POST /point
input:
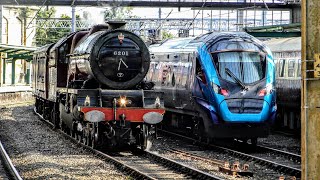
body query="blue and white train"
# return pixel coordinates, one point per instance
(217, 85)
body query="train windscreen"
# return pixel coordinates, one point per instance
(247, 66)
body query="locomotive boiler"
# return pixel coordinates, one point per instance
(90, 84)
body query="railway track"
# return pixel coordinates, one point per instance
(7, 169)
(144, 164)
(223, 166)
(293, 157)
(274, 159)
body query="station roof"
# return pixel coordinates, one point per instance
(284, 44)
(282, 30)
(17, 52)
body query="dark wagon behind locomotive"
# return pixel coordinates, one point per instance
(90, 84)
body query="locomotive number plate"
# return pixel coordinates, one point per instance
(121, 53)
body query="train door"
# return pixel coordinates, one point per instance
(170, 72)
(41, 75)
(34, 72)
(183, 79)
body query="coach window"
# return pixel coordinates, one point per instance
(291, 68)
(277, 62)
(186, 73)
(299, 68)
(281, 67)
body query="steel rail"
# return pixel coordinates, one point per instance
(295, 157)
(273, 165)
(8, 163)
(194, 156)
(133, 172)
(195, 173)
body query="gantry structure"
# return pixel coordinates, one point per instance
(260, 8)
(158, 3)
(257, 8)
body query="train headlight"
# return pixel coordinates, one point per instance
(267, 90)
(123, 101)
(215, 87)
(87, 101)
(219, 90)
(157, 102)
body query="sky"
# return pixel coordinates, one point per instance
(141, 12)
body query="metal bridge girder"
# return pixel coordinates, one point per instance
(159, 3)
(166, 24)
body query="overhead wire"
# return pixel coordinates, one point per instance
(37, 13)
(196, 14)
(164, 19)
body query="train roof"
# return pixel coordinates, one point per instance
(208, 39)
(284, 44)
(171, 44)
(43, 48)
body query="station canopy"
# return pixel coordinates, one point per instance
(17, 52)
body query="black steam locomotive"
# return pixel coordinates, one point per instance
(90, 84)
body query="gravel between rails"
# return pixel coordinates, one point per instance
(160, 145)
(38, 152)
(281, 142)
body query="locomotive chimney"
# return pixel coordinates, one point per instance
(116, 24)
(98, 27)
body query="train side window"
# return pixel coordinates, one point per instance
(176, 79)
(291, 68)
(166, 75)
(281, 67)
(299, 68)
(63, 53)
(199, 72)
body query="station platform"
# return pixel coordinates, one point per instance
(5, 89)
(15, 94)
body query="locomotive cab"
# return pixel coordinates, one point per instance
(242, 77)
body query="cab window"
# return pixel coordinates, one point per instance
(291, 68)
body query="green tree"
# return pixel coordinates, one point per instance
(119, 13)
(47, 34)
(43, 33)
(24, 14)
(167, 35)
